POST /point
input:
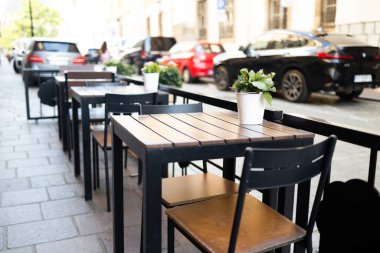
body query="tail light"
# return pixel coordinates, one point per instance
(324, 55)
(377, 57)
(79, 60)
(143, 54)
(35, 58)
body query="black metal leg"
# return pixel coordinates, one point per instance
(229, 167)
(170, 236)
(94, 162)
(139, 171)
(86, 151)
(372, 167)
(59, 111)
(75, 138)
(107, 179)
(303, 198)
(64, 115)
(117, 197)
(152, 203)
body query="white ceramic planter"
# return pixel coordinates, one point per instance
(251, 107)
(151, 82)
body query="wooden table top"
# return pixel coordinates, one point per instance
(193, 129)
(84, 91)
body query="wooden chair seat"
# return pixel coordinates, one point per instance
(97, 132)
(194, 188)
(209, 224)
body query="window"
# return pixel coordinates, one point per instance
(275, 15)
(202, 19)
(55, 47)
(328, 13)
(226, 27)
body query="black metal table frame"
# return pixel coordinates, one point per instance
(83, 103)
(151, 157)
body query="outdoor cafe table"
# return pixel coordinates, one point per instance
(83, 97)
(163, 138)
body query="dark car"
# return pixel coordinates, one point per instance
(194, 59)
(92, 56)
(307, 62)
(148, 49)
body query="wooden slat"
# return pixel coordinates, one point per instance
(252, 135)
(143, 134)
(230, 137)
(202, 136)
(169, 133)
(276, 135)
(296, 132)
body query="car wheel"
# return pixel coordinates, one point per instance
(221, 78)
(294, 86)
(348, 95)
(186, 76)
(15, 68)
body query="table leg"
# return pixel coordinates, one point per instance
(229, 168)
(59, 111)
(117, 196)
(75, 126)
(152, 203)
(64, 115)
(86, 142)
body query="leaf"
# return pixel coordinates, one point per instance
(268, 97)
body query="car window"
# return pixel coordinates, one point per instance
(160, 44)
(47, 46)
(278, 41)
(209, 49)
(260, 43)
(294, 41)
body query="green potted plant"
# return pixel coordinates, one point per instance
(170, 75)
(121, 67)
(151, 73)
(252, 90)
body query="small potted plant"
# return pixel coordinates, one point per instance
(252, 90)
(121, 68)
(151, 72)
(170, 75)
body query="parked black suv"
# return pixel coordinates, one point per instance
(148, 49)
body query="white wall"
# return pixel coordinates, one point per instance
(302, 15)
(355, 11)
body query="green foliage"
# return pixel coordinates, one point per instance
(151, 67)
(46, 22)
(170, 75)
(251, 81)
(121, 68)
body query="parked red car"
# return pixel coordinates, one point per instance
(194, 59)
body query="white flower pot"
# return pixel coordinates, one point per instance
(251, 107)
(151, 82)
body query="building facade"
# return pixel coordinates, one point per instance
(237, 22)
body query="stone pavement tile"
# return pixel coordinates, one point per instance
(1, 238)
(15, 184)
(27, 162)
(49, 153)
(6, 149)
(132, 199)
(58, 159)
(24, 197)
(19, 214)
(131, 240)
(3, 165)
(49, 140)
(94, 223)
(42, 170)
(56, 145)
(32, 147)
(7, 173)
(19, 250)
(70, 178)
(12, 156)
(66, 191)
(64, 207)
(88, 244)
(18, 142)
(45, 181)
(40, 232)
(8, 138)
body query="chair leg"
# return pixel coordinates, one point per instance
(204, 166)
(170, 236)
(173, 169)
(107, 180)
(94, 162)
(126, 158)
(97, 165)
(140, 172)
(69, 138)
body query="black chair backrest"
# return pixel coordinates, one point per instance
(101, 84)
(184, 108)
(284, 167)
(125, 104)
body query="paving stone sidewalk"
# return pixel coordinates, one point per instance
(42, 208)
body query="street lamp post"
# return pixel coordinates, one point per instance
(31, 19)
